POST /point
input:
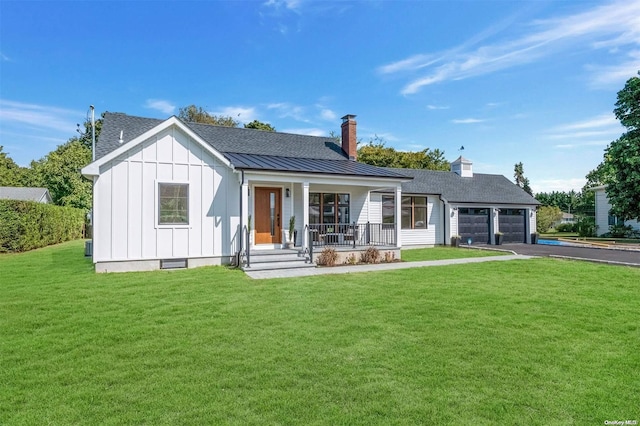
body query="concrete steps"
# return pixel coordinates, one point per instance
(271, 260)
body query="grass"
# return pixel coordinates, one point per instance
(440, 253)
(524, 342)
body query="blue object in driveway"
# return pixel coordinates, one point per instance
(552, 243)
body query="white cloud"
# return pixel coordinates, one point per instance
(595, 131)
(603, 120)
(467, 121)
(287, 110)
(436, 107)
(328, 115)
(163, 106)
(4, 57)
(242, 114)
(286, 4)
(40, 116)
(611, 25)
(616, 75)
(306, 131)
(572, 146)
(550, 185)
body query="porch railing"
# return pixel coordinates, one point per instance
(352, 234)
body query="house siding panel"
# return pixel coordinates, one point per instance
(149, 234)
(134, 219)
(119, 206)
(375, 207)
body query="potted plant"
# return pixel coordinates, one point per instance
(455, 240)
(292, 226)
(499, 236)
(534, 238)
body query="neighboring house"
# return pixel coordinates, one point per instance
(39, 195)
(567, 218)
(604, 218)
(168, 192)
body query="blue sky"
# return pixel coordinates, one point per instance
(511, 81)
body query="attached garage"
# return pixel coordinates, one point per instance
(511, 222)
(473, 223)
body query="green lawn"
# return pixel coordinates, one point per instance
(522, 342)
(440, 253)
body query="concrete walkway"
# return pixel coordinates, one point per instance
(289, 273)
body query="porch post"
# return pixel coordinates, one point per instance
(398, 215)
(305, 214)
(245, 207)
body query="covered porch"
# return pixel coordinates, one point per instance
(320, 210)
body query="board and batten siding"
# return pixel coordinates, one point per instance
(125, 217)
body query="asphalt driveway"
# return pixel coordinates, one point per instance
(623, 257)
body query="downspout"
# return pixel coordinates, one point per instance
(444, 220)
(241, 221)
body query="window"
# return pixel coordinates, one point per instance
(328, 208)
(388, 209)
(612, 219)
(173, 204)
(414, 212)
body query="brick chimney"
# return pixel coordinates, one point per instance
(349, 143)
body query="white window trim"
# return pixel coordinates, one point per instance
(156, 207)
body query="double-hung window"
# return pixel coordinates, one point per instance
(173, 204)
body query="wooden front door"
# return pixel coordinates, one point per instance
(268, 213)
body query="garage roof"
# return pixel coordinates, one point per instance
(481, 188)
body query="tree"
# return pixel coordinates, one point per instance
(547, 216)
(258, 125)
(86, 137)
(620, 169)
(10, 173)
(521, 181)
(59, 171)
(197, 114)
(376, 153)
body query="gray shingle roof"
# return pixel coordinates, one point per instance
(223, 139)
(25, 194)
(481, 188)
(341, 167)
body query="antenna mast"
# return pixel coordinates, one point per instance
(93, 133)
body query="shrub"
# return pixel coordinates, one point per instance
(371, 255)
(620, 231)
(27, 225)
(351, 259)
(328, 257)
(566, 227)
(547, 216)
(586, 226)
(389, 256)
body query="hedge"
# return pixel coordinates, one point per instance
(26, 225)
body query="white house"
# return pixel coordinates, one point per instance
(604, 218)
(39, 195)
(169, 193)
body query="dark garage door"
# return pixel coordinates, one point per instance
(474, 224)
(511, 224)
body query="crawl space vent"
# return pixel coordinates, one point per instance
(173, 263)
